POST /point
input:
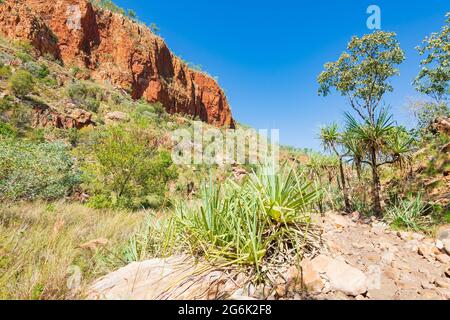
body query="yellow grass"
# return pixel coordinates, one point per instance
(40, 253)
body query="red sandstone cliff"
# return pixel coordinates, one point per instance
(118, 50)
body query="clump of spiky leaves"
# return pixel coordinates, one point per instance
(262, 222)
(409, 214)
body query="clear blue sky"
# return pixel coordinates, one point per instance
(267, 54)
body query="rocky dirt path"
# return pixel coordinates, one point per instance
(360, 260)
(368, 260)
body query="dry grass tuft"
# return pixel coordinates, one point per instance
(41, 248)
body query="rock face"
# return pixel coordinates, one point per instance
(72, 118)
(441, 125)
(118, 50)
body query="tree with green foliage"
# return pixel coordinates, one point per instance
(32, 171)
(434, 77)
(127, 171)
(426, 113)
(362, 75)
(21, 83)
(332, 140)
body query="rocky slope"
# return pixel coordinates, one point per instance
(116, 49)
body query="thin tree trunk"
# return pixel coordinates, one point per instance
(344, 186)
(358, 168)
(376, 188)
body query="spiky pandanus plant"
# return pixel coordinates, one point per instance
(264, 220)
(356, 151)
(400, 144)
(384, 144)
(332, 140)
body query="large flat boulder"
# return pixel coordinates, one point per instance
(175, 278)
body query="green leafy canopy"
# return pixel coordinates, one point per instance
(362, 73)
(434, 77)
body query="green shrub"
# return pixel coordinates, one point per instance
(35, 171)
(85, 95)
(36, 135)
(5, 72)
(6, 103)
(108, 5)
(263, 220)
(410, 214)
(149, 111)
(426, 112)
(21, 83)
(126, 171)
(37, 70)
(24, 46)
(20, 116)
(6, 130)
(73, 136)
(24, 57)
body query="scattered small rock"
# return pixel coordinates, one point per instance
(341, 276)
(442, 284)
(446, 244)
(443, 232)
(339, 221)
(116, 116)
(310, 276)
(424, 251)
(355, 216)
(447, 272)
(237, 297)
(426, 284)
(388, 257)
(443, 258)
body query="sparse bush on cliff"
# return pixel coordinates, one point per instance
(17, 116)
(35, 171)
(108, 5)
(5, 103)
(130, 13)
(37, 70)
(5, 72)
(86, 95)
(21, 83)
